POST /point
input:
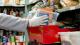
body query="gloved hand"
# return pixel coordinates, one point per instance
(38, 20)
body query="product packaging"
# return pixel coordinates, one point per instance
(69, 3)
(46, 11)
(11, 43)
(22, 2)
(6, 2)
(21, 38)
(17, 38)
(1, 2)
(11, 12)
(17, 2)
(1, 32)
(1, 39)
(11, 2)
(5, 11)
(12, 39)
(52, 4)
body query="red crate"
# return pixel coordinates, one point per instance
(46, 34)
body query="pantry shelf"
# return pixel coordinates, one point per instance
(69, 8)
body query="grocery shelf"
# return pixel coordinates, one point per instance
(69, 8)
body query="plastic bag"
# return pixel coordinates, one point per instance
(70, 38)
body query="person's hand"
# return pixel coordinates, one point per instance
(38, 20)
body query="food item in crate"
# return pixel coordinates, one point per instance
(46, 11)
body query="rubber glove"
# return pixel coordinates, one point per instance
(38, 20)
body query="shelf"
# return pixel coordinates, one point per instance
(30, 3)
(13, 5)
(69, 8)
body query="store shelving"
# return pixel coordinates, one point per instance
(69, 8)
(20, 8)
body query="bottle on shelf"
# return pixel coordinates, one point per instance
(22, 2)
(5, 40)
(1, 2)
(5, 11)
(1, 32)
(17, 14)
(12, 12)
(6, 2)
(17, 2)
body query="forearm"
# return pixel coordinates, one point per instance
(13, 23)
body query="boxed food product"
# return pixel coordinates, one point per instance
(69, 3)
(46, 11)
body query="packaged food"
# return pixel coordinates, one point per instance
(6, 2)
(5, 39)
(52, 3)
(46, 11)
(22, 2)
(19, 38)
(1, 38)
(17, 2)
(12, 39)
(1, 32)
(69, 3)
(11, 43)
(1, 2)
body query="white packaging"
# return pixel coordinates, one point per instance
(22, 2)
(1, 3)
(1, 32)
(12, 2)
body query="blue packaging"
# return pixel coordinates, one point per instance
(41, 14)
(5, 39)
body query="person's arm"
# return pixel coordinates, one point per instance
(8, 22)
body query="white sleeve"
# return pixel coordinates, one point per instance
(13, 23)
